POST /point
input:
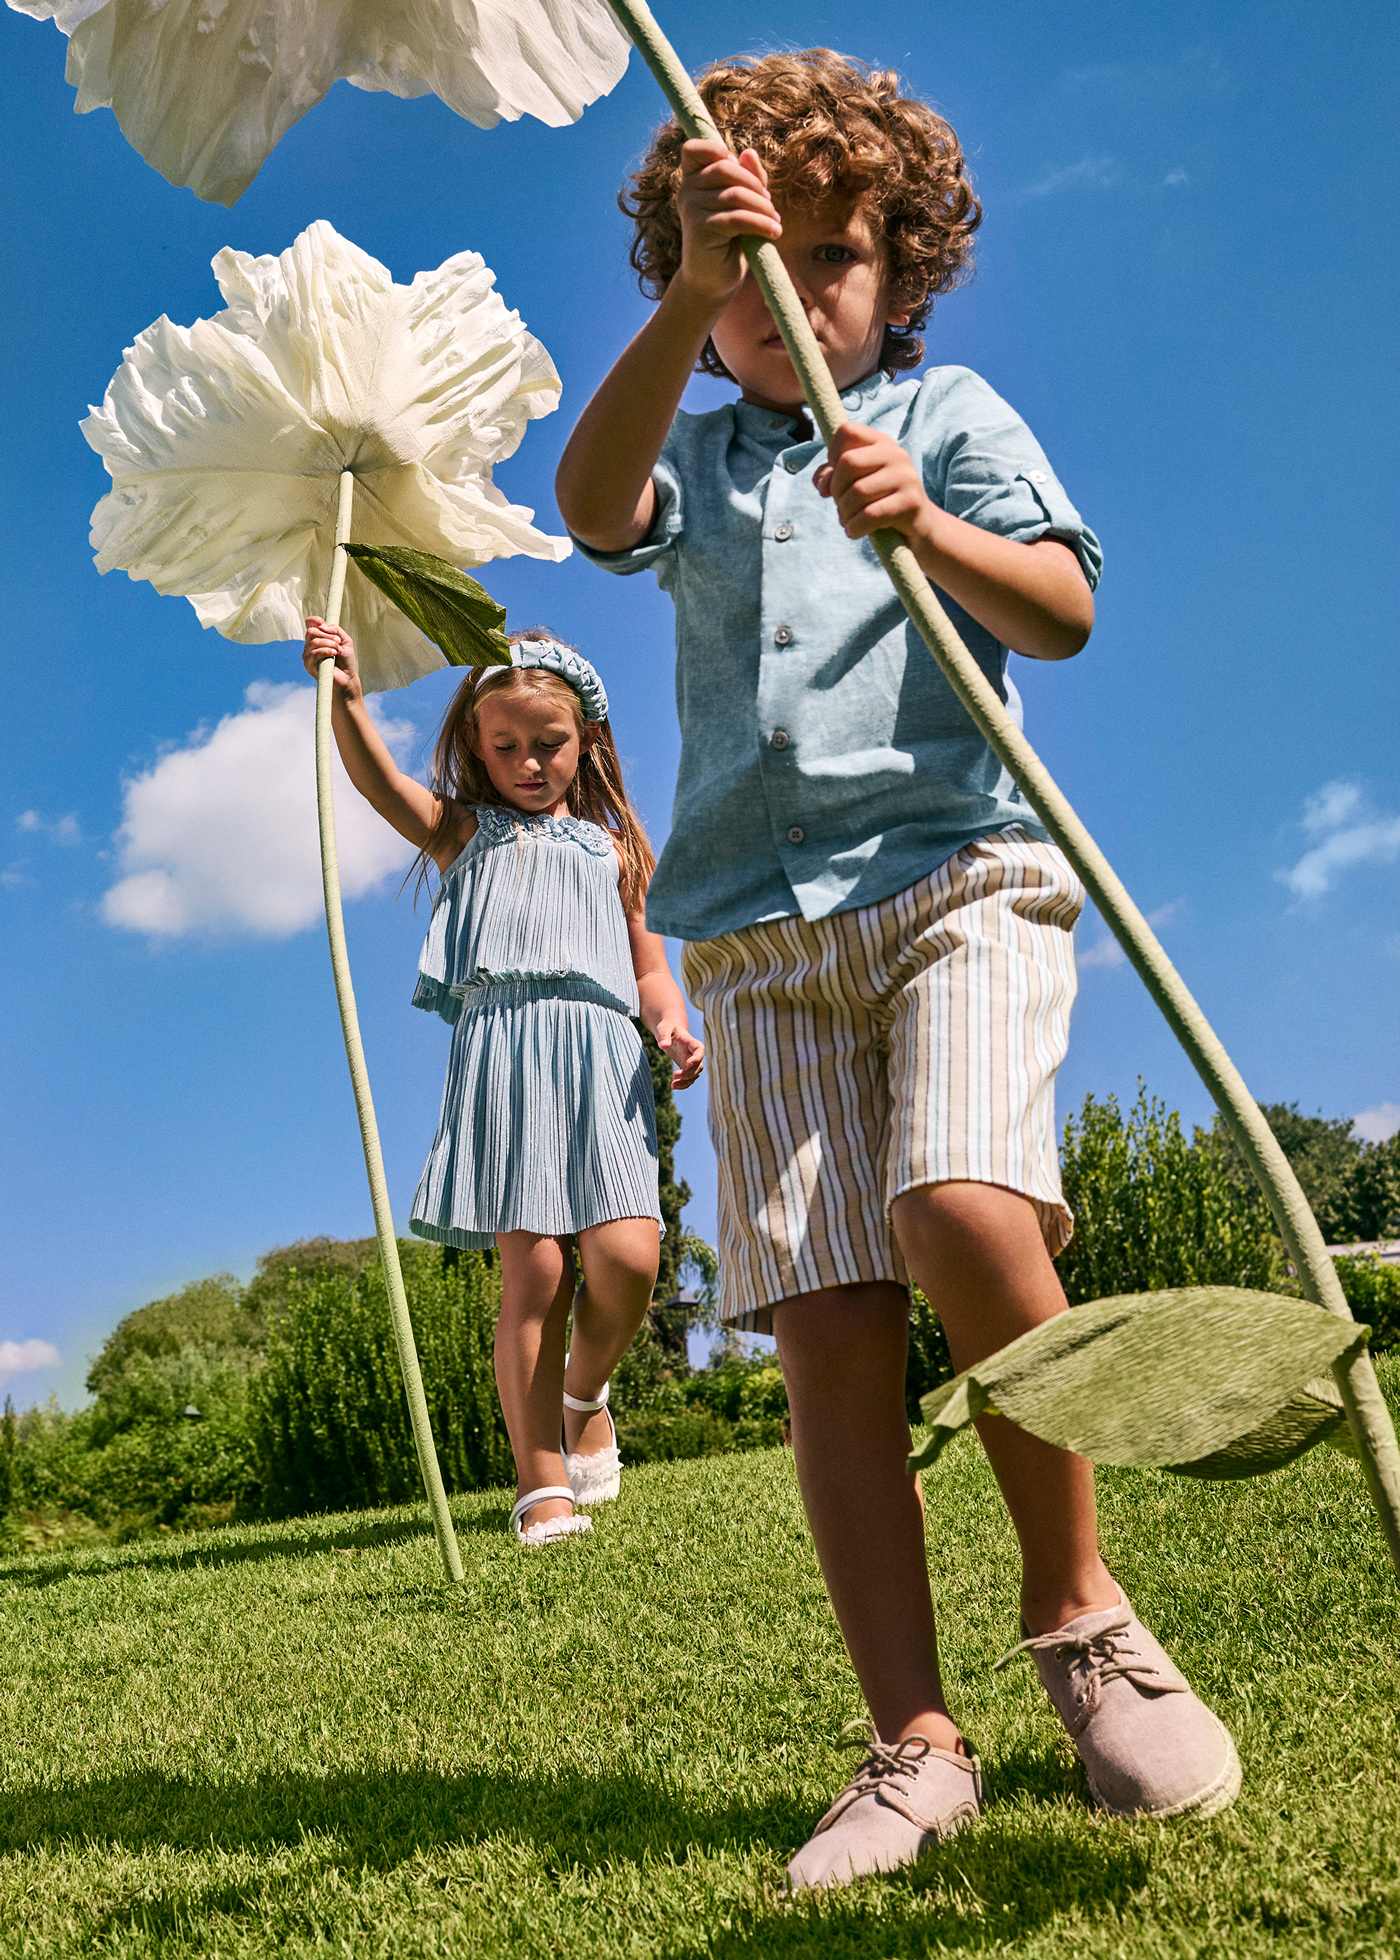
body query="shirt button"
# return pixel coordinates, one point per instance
(797, 834)
(779, 738)
(791, 465)
(782, 636)
(782, 532)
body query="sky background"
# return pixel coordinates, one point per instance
(1186, 284)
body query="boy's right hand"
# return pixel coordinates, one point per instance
(331, 643)
(721, 199)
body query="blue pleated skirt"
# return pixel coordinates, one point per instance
(547, 1122)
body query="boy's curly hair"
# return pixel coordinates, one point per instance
(826, 126)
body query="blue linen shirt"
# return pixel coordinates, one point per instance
(825, 761)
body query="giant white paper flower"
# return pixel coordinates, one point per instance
(204, 89)
(226, 440)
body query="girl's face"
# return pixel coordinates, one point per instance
(838, 263)
(530, 744)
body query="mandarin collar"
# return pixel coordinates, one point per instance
(794, 424)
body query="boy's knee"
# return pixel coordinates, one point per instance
(961, 1214)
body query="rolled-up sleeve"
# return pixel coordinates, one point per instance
(666, 525)
(990, 470)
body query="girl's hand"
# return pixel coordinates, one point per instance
(721, 199)
(329, 642)
(876, 486)
(685, 1051)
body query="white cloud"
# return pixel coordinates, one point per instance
(1174, 179)
(25, 1357)
(1376, 1124)
(1350, 832)
(218, 838)
(13, 876)
(1196, 71)
(59, 830)
(1090, 173)
(1106, 952)
(1335, 803)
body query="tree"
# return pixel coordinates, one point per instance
(1153, 1210)
(669, 1320)
(9, 1437)
(208, 1313)
(1374, 1192)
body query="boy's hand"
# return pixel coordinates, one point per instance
(721, 199)
(330, 643)
(685, 1051)
(876, 486)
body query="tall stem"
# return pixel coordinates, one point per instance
(1356, 1378)
(359, 1074)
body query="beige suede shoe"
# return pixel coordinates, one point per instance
(1150, 1747)
(904, 1798)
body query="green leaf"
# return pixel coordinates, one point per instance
(459, 616)
(1212, 1381)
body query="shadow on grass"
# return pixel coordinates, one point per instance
(214, 1548)
(377, 1819)
(1016, 1872)
(991, 1887)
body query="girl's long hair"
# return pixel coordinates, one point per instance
(596, 793)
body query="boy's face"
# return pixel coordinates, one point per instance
(838, 262)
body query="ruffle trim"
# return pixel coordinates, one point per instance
(497, 825)
(448, 998)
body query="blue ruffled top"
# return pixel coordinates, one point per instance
(530, 898)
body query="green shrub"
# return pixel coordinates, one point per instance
(1372, 1288)
(929, 1360)
(657, 1436)
(1153, 1210)
(330, 1427)
(209, 1314)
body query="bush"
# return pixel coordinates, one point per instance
(208, 1314)
(329, 1420)
(1373, 1293)
(1152, 1210)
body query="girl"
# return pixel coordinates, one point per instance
(537, 954)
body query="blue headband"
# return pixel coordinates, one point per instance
(583, 677)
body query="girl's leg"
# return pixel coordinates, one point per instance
(976, 1252)
(537, 1287)
(843, 1353)
(620, 1261)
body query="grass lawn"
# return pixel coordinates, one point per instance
(297, 1740)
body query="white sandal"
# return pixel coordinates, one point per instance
(595, 1478)
(549, 1528)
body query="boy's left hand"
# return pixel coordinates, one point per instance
(876, 485)
(685, 1051)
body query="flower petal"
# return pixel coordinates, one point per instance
(320, 313)
(204, 89)
(494, 59)
(226, 440)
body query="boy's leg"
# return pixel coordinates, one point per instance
(537, 1287)
(979, 1025)
(978, 1253)
(619, 1261)
(844, 1358)
(799, 1113)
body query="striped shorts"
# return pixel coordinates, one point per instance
(902, 1043)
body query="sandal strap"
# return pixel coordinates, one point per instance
(534, 1497)
(581, 1404)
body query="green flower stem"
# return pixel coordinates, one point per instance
(1355, 1376)
(359, 1074)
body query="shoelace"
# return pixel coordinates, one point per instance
(1105, 1653)
(882, 1759)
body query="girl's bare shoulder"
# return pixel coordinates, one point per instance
(456, 837)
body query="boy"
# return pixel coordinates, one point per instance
(878, 928)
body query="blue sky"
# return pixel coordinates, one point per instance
(1187, 288)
